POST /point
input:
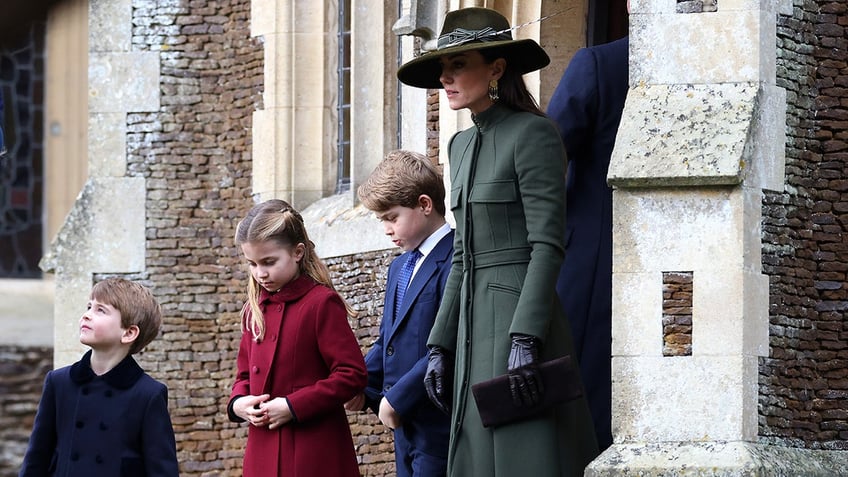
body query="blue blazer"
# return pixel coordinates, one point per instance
(114, 424)
(398, 360)
(587, 106)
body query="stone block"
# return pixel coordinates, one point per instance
(278, 159)
(104, 231)
(768, 140)
(107, 144)
(716, 459)
(279, 72)
(311, 80)
(684, 398)
(123, 82)
(730, 313)
(73, 288)
(110, 26)
(669, 230)
(332, 222)
(750, 5)
(271, 148)
(637, 314)
(683, 135)
(717, 47)
(269, 16)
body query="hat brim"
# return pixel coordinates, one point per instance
(424, 71)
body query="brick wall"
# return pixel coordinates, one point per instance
(22, 371)
(195, 154)
(360, 279)
(804, 380)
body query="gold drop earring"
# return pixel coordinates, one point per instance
(493, 90)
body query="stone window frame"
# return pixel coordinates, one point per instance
(299, 121)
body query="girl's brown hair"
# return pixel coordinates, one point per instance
(277, 221)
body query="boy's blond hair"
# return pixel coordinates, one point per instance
(400, 179)
(136, 304)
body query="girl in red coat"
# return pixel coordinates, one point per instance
(298, 362)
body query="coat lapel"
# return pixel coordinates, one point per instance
(429, 266)
(274, 308)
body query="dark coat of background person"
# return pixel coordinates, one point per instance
(587, 106)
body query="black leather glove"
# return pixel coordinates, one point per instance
(438, 379)
(525, 382)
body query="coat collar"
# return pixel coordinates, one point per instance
(122, 376)
(491, 117)
(441, 253)
(291, 291)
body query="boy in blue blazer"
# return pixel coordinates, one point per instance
(104, 415)
(407, 194)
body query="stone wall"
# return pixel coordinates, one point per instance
(804, 380)
(196, 156)
(360, 279)
(22, 371)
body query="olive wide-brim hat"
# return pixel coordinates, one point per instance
(473, 29)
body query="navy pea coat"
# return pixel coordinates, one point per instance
(397, 361)
(116, 424)
(587, 106)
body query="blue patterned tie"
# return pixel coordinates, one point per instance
(404, 277)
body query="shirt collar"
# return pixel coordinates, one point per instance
(430, 242)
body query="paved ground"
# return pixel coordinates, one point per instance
(26, 312)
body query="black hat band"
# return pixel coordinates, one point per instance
(461, 36)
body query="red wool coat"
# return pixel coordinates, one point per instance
(309, 355)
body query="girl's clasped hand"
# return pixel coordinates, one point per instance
(261, 411)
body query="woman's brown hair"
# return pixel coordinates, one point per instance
(512, 91)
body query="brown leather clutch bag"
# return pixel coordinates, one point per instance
(494, 399)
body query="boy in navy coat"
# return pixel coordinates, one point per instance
(104, 415)
(407, 194)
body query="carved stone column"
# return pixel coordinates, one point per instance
(105, 230)
(701, 136)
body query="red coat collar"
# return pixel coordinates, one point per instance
(291, 291)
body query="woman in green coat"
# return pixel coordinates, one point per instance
(500, 313)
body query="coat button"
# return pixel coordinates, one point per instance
(108, 393)
(80, 424)
(103, 426)
(387, 388)
(274, 337)
(279, 307)
(390, 351)
(99, 459)
(256, 370)
(74, 456)
(85, 391)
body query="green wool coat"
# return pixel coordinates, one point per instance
(508, 199)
